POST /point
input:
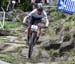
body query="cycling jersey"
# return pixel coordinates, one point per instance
(35, 17)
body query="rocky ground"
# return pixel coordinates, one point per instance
(56, 46)
(49, 50)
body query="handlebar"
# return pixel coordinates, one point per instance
(42, 26)
(39, 25)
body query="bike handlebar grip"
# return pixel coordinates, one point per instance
(45, 27)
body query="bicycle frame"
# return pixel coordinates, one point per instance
(32, 39)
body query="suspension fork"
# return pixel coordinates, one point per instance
(29, 32)
(39, 32)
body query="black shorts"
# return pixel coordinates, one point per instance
(34, 20)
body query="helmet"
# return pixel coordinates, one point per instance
(39, 7)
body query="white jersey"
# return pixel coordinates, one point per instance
(36, 15)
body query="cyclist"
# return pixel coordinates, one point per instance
(11, 4)
(34, 2)
(36, 16)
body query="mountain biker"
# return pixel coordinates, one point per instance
(36, 16)
(34, 2)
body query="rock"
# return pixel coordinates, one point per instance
(59, 28)
(67, 44)
(15, 55)
(67, 41)
(64, 44)
(45, 43)
(28, 63)
(4, 32)
(35, 52)
(12, 47)
(41, 63)
(3, 46)
(67, 37)
(3, 62)
(17, 41)
(71, 58)
(64, 58)
(24, 38)
(24, 52)
(50, 44)
(54, 63)
(35, 63)
(44, 38)
(16, 15)
(44, 56)
(11, 38)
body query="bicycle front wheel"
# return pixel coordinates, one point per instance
(32, 43)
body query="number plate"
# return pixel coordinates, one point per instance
(34, 27)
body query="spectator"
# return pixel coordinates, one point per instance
(11, 5)
(33, 2)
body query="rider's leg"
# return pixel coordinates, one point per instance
(29, 28)
(39, 33)
(28, 35)
(39, 30)
(29, 32)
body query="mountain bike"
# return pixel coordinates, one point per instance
(33, 37)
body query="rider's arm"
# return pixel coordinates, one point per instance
(25, 18)
(46, 18)
(47, 23)
(30, 14)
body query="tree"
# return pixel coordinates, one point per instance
(0, 4)
(23, 5)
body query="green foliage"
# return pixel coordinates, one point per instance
(2, 40)
(25, 5)
(8, 58)
(4, 3)
(56, 14)
(12, 25)
(69, 24)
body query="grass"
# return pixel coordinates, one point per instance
(53, 53)
(70, 24)
(12, 25)
(7, 57)
(3, 40)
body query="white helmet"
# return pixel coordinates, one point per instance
(39, 6)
